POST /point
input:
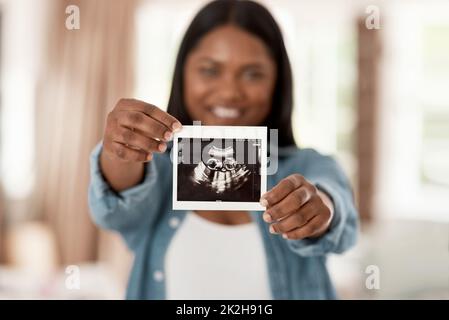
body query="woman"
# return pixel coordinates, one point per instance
(232, 69)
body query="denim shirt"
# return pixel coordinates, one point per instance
(143, 216)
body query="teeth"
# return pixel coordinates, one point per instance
(224, 112)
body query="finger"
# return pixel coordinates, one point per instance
(310, 229)
(129, 154)
(134, 138)
(293, 221)
(148, 126)
(282, 189)
(290, 203)
(152, 111)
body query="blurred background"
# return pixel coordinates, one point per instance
(371, 88)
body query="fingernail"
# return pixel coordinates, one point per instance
(176, 126)
(272, 230)
(264, 202)
(162, 147)
(284, 236)
(168, 135)
(266, 217)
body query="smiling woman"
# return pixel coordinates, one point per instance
(232, 69)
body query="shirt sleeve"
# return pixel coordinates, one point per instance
(327, 175)
(128, 212)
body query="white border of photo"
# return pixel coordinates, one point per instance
(220, 132)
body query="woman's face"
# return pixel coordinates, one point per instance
(229, 78)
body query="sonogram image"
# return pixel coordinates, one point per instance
(219, 170)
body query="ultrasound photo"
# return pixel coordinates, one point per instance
(218, 173)
(223, 170)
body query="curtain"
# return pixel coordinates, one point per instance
(368, 93)
(84, 73)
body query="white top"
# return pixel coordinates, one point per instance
(207, 260)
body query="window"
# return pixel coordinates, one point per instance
(414, 160)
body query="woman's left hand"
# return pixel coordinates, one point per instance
(297, 209)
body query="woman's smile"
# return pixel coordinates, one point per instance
(225, 112)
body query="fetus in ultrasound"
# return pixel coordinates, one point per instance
(220, 171)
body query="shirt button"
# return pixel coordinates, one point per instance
(158, 275)
(174, 222)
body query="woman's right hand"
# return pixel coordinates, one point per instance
(134, 131)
